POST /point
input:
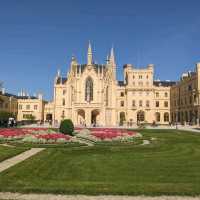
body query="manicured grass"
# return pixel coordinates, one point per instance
(53, 145)
(7, 152)
(170, 165)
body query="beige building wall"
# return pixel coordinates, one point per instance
(30, 106)
(8, 103)
(185, 103)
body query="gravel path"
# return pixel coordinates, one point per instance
(19, 158)
(18, 196)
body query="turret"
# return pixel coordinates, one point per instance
(112, 62)
(89, 55)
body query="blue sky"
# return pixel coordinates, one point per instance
(38, 37)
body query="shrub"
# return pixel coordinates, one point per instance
(67, 127)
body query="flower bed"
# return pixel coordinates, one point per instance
(106, 134)
(33, 135)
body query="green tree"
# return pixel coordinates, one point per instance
(4, 116)
(67, 127)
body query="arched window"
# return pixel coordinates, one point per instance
(107, 96)
(157, 116)
(140, 116)
(122, 118)
(166, 117)
(88, 89)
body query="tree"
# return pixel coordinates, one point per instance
(30, 117)
(67, 127)
(4, 116)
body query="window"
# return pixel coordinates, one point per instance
(140, 76)
(189, 87)
(166, 117)
(122, 94)
(133, 77)
(63, 114)
(1, 104)
(89, 89)
(6, 105)
(157, 117)
(35, 107)
(107, 96)
(28, 107)
(157, 104)
(147, 76)
(147, 103)
(157, 94)
(63, 102)
(190, 99)
(140, 116)
(166, 104)
(140, 83)
(140, 103)
(122, 103)
(133, 103)
(195, 98)
(166, 94)
(64, 92)
(20, 107)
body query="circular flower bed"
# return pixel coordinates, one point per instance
(107, 134)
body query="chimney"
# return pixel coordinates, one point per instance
(40, 96)
(3, 90)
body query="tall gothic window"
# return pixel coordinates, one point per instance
(89, 89)
(107, 96)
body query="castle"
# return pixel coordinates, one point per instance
(91, 94)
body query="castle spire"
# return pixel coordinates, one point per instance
(107, 59)
(112, 57)
(89, 56)
(112, 62)
(58, 73)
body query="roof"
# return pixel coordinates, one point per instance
(61, 80)
(8, 94)
(26, 97)
(164, 83)
(18, 97)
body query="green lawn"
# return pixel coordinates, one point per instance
(7, 152)
(168, 166)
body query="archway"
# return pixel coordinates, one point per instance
(49, 117)
(81, 117)
(95, 114)
(140, 116)
(122, 118)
